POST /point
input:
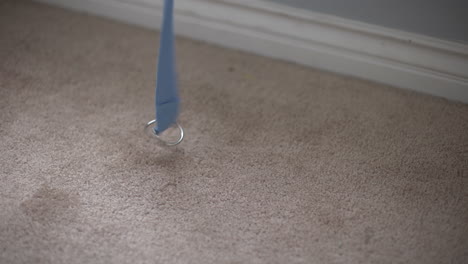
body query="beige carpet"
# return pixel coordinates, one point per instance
(281, 164)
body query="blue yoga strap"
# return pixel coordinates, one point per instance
(167, 98)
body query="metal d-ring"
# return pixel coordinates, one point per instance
(150, 125)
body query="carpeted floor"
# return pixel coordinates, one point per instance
(281, 164)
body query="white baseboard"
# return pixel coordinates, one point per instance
(348, 47)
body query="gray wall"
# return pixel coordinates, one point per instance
(443, 19)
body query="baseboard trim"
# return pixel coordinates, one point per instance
(347, 47)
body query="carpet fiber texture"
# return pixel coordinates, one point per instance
(281, 163)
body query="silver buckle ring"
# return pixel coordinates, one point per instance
(149, 130)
